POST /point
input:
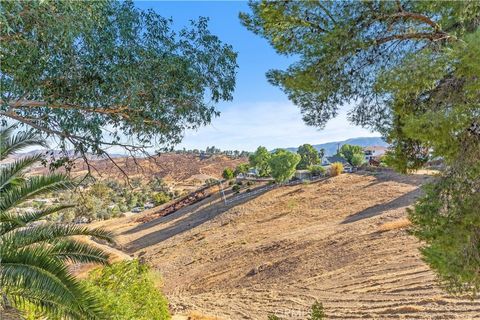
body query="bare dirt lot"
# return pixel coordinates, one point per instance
(286, 248)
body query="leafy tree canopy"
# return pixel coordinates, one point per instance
(412, 68)
(228, 174)
(353, 154)
(283, 164)
(96, 74)
(127, 290)
(259, 160)
(241, 168)
(309, 156)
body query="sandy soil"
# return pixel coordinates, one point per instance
(286, 248)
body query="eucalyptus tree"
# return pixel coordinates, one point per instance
(309, 156)
(408, 69)
(282, 164)
(353, 154)
(34, 254)
(103, 74)
(259, 160)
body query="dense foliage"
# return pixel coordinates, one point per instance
(260, 160)
(106, 199)
(282, 164)
(353, 154)
(317, 170)
(127, 290)
(96, 74)
(34, 254)
(241, 169)
(412, 68)
(308, 156)
(228, 174)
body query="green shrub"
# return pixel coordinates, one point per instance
(336, 168)
(236, 188)
(241, 168)
(228, 174)
(317, 312)
(127, 290)
(161, 198)
(317, 170)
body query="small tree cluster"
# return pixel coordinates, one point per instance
(282, 164)
(353, 154)
(308, 156)
(228, 174)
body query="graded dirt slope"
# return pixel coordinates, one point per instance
(286, 248)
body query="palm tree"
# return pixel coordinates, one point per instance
(34, 254)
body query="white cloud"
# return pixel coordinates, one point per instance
(271, 124)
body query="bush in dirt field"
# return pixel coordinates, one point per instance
(336, 168)
(236, 188)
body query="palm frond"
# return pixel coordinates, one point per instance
(22, 237)
(33, 187)
(33, 257)
(12, 174)
(12, 220)
(21, 140)
(46, 306)
(45, 276)
(78, 252)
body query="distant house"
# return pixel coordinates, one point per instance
(336, 158)
(137, 210)
(374, 152)
(252, 173)
(303, 174)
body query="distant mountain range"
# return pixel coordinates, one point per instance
(331, 147)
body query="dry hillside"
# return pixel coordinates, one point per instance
(281, 250)
(176, 169)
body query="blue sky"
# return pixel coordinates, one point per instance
(260, 114)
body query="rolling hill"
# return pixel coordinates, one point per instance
(341, 241)
(331, 147)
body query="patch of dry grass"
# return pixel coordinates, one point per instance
(194, 315)
(404, 309)
(395, 224)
